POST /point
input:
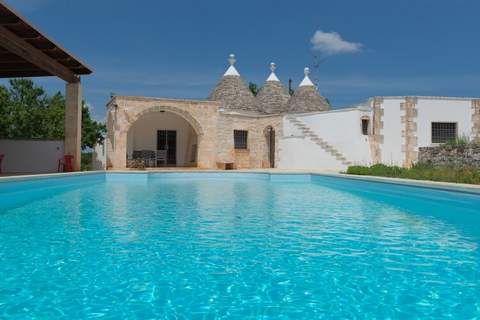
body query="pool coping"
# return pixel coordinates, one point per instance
(447, 186)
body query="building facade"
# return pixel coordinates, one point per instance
(232, 128)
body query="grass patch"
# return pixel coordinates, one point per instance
(420, 172)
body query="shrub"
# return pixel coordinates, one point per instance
(460, 141)
(360, 170)
(421, 171)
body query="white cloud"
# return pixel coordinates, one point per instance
(332, 43)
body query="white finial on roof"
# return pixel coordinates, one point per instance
(231, 71)
(272, 76)
(306, 81)
(231, 59)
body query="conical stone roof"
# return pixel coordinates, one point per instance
(233, 92)
(307, 98)
(272, 98)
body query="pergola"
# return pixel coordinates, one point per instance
(26, 52)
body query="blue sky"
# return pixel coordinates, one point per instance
(179, 49)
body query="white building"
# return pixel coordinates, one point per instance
(386, 130)
(232, 128)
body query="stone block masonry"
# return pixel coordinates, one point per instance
(214, 130)
(476, 119)
(409, 133)
(378, 113)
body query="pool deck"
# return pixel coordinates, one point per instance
(458, 187)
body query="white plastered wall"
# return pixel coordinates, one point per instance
(99, 156)
(143, 134)
(429, 110)
(391, 148)
(31, 156)
(339, 128)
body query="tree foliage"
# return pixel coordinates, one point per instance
(27, 111)
(253, 88)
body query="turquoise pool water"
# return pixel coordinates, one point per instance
(236, 246)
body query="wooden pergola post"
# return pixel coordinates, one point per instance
(26, 52)
(73, 123)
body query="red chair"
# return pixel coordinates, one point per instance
(1, 159)
(67, 163)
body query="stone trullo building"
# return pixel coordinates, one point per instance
(232, 128)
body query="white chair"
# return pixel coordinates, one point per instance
(161, 157)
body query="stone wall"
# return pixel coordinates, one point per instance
(214, 130)
(377, 131)
(409, 133)
(451, 156)
(125, 111)
(256, 154)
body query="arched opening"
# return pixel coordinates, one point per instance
(270, 140)
(160, 138)
(365, 125)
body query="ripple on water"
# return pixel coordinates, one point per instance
(236, 249)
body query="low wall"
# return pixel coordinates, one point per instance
(452, 156)
(30, 156)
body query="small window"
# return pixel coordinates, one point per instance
(365, 127)
(443, 132)
(240, 139)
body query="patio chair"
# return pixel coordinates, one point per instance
(149, 157)
(161, 157)
(136, 154)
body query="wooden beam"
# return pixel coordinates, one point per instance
(9, 20)
(16, 45)
(22, 74)
(17, 64)
(19, 69)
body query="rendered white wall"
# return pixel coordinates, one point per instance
(391, 149)
(429, 109)
(459, 111)
(143, 134)
(99, 157)
(340, 128)
(31, 156)
(301, 153)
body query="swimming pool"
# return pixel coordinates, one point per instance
(236, 246)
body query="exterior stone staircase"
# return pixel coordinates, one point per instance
(322, 143)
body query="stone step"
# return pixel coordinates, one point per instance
(319, 141)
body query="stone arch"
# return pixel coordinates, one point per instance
(365, 125)
(267, 129)
(187, 116)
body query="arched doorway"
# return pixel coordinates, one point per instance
(161, 138)
(270, 140)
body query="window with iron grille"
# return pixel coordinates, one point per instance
(443, 132)
(240, 139)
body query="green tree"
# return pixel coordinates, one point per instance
(253, 88)
(26, 111)
(93, 132)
